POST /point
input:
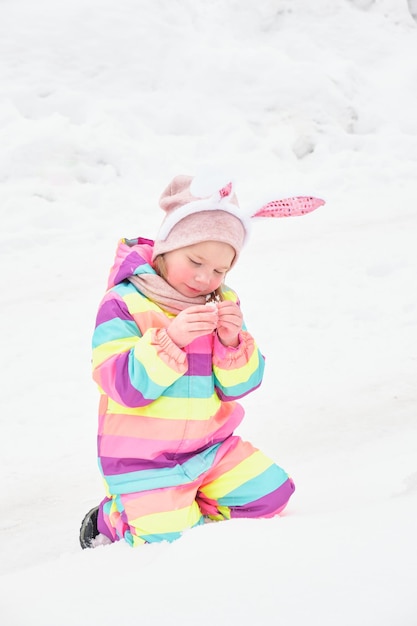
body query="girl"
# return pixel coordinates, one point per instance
(171, 354)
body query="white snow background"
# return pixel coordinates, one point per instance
(101, 103)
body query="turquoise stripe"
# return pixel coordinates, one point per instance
(261, 485)
(124, 288)
(114, 329)
(145, 480)
(144, 269)
(191, 386)
(156, 538)
(106, 505)
(141, 381)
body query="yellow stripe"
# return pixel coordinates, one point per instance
(137, 303)
(158, 371)
(171, 408)
(229, 294)
(110, 348)
(231, 377)
(234, 478)
(167, 521)
(137, 541)
(223, 513)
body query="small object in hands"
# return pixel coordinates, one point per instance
(212, 298)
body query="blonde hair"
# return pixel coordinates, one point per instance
(159, 265)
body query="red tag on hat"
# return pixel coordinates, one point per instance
(226, 191)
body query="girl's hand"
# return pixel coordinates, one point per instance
(230, 323)
(192, 323)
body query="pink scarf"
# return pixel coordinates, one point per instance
(159, 291)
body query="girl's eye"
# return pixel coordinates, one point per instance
(198, 264)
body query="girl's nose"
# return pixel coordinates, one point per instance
(202, 277)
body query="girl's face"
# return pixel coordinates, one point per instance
(198, 269)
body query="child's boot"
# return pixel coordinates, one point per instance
(89, 530)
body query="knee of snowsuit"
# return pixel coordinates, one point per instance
(240, 482)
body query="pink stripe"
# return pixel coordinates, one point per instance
(160, 501)
(104, 375)
(201, 345)
(231, 453)
(132, 448)
(129, 447)
(150, 319)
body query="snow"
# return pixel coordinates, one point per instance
(101, 103)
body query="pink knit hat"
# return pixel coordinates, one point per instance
(191, 219)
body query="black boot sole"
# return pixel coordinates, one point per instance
(88, 529)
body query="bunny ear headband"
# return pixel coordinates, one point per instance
(284, 207)
(194, 214)
(288, 207)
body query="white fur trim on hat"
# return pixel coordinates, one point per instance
(215, 203)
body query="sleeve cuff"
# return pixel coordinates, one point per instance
(227, 357)
(168, 350)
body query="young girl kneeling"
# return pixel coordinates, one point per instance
(171, 355)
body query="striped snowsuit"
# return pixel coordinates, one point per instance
(167, 415)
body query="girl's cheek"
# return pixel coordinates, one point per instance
(216, 282)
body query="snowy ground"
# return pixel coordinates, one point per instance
(101, 103)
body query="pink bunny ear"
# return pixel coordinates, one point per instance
(288, 207)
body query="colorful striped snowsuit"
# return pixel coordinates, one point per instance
(167, 415)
